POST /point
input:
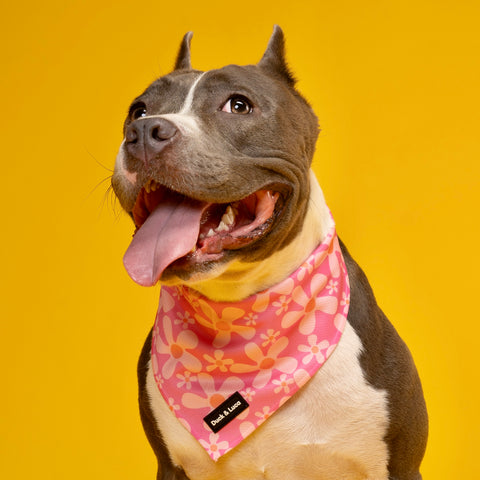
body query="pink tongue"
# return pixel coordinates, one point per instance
(170, 232)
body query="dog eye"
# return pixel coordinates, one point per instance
(137, 111)
(239, 105)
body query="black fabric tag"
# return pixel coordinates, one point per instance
(226, 412)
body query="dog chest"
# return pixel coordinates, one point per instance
(332, 428)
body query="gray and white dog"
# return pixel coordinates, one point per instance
(212, 139)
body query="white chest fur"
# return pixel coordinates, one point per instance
(331, 429)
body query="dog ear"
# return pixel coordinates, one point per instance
(273, 59)
(183, 57)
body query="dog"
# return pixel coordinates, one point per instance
(269, 358)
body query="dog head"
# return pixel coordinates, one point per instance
(214, 167)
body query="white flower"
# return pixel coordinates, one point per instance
(213, 446)
(186, 380)
(283, 384)
(314, 350)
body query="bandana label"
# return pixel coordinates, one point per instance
(231, 408)
(208, 356)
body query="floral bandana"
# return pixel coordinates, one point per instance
(224, 368)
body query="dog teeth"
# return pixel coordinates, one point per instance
(227, 221)
(222, 227)
(228, 218)
(151, 186)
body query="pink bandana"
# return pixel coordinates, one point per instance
(224, 368)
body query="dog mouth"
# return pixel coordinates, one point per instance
(176, 230)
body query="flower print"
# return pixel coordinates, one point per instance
(322, 252)
(158, 378)
(251, 318)
(224, 324)
(283, 384)
(166, 301)
(184, 319)
(172, 405)
(177, 349)
(248, 394)
(186, 380)
(246, 428)
(270, 337)
(345, 302)
(313, 350)
(263, 298)
(282, 304)
(177, 291)
(333, 262)
(213, 446)
(301, 377)
(156, 370)
(307, 267)
(265, 363)
(332, 286)
(339, 321)
(190, 295)
(212, 397)
(323, 303)
(217, 361)
(263, 415)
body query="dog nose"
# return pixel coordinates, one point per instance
(145, 138)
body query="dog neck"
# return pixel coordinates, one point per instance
(239, 280)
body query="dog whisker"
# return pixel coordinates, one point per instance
(108, 169)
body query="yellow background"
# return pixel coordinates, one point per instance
(395, 85)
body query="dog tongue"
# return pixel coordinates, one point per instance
(170, 232)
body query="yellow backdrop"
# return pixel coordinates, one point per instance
(395, 85)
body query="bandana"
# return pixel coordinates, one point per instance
(225, 368)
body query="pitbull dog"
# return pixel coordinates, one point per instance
(196, 143)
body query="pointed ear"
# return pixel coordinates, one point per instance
(183, 57)
(273, 59)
